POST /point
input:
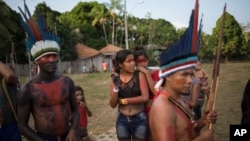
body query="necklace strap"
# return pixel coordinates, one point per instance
(181, 107)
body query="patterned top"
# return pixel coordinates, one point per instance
(131, 88)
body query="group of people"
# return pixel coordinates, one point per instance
(147, 112)
(153, 105)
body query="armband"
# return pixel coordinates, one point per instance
(116, 90)
(124, 101)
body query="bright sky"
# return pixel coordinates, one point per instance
(175, 11)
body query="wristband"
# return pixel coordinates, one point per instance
(124, 101)
(116, 90)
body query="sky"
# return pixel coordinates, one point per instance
(175, 11)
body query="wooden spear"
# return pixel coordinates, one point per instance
(215, 76)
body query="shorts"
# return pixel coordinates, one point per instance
(134, 127)
(47, 137)
(10, 132)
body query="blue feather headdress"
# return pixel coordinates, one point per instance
(39, 42)
(183, 53)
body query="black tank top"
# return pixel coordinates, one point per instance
(131, 88)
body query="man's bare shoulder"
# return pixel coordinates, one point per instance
(64, 77)
(161, 105)
(29, 82)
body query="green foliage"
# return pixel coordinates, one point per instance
(153, 57)
(205, 51)
(67, 52)
(96, 25)
(164, 32)
(11, 34)
(234, 44)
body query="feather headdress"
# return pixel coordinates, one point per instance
(39, 42)
(183, 53)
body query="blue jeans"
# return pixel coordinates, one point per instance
(47, 137)
(132, 127)
(10, 132)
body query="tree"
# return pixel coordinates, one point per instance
(5, 14)
(234, 43)
(99, 12)
(11, 32)
(204, 52)
(246, 32)
(113, 6)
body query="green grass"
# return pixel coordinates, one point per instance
(232, 81)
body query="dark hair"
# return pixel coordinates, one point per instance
(78, 88)
(120, 58)
(139, 51)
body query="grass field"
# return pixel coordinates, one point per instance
(232, 81)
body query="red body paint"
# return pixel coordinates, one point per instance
(171, 133)
(52, 112)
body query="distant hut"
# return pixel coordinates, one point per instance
(89, 57)
(85, 52)
(108, 52)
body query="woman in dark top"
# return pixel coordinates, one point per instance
(245, 105)
(129, 90)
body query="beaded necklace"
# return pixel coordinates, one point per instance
(183, 107)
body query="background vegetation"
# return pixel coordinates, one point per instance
(97, 24)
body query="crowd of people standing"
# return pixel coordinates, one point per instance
(152, 105)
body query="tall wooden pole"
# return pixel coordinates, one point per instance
(215, 77)
(126, 24)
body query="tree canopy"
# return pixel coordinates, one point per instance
(234, 43)
(98, 24)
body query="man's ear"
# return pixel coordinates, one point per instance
(168, 78)
(36, 62)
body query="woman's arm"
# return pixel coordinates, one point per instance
(150, 81)
(113, 100)
(8, 74)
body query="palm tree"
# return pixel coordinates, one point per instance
(114, 5)
(103, 21)
(99, 14)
